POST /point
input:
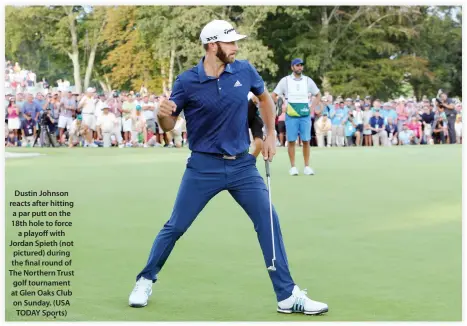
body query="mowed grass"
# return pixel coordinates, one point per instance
(376, 234)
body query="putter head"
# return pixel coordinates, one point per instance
(272, 268)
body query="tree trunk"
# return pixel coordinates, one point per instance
(75, 59)
(74, 55)
(324, 36)
(325, 84)
(92, 55)
(171, 67)
(104, 87)
(164, 83)
(107, 82)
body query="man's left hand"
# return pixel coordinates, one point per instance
(269, 148)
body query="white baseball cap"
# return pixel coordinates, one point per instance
(90, 90)
(219, 31)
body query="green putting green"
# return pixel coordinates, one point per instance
(376, 234)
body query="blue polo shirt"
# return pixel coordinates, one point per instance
(216, 109)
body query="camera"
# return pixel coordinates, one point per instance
(45, 117)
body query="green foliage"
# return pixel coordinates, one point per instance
(348, 50)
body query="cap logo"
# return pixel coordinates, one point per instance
(211, 38)
(227, 31)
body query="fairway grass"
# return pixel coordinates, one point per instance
(376, 234)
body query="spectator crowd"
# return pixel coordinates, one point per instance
(61, 117)
(372, 122)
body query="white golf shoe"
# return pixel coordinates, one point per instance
(299, 302)
(293, 171)
(141, 292)
(308, 171)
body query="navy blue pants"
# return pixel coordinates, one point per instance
(205, 176)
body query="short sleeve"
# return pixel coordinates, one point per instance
(257, 83)
(312, 88)
(280, 88)
(178, 96)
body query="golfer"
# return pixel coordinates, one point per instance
(296, 88)
(213, 96)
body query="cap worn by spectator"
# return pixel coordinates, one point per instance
(90, 90)
(348, 99)
(79, 117)
(297, 61)
(219, 31)
(368, 97)
(387, 104)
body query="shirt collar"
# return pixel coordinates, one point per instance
(293, 76)
(202, 74)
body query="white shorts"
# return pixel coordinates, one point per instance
(89, 120)
(427, 131)
(13, 123)
(126, 124)
(65, 122)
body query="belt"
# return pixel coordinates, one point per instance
(226, 156)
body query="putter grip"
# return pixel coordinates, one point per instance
(268, 173)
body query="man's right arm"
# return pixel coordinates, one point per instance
(170, 109)
(279, 90)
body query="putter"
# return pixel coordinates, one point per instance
(271, 268)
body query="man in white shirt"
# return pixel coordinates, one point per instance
(100, 105)
(87, 104)
(79, 131)
(323, 129)
(138, 128)
(296, 88)
(105, 124)
(148, 113)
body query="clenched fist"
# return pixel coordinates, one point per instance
(166, 108)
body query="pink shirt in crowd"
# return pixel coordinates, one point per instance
(415, 127)
(282, 115)
(402, 112)
(12, 112)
